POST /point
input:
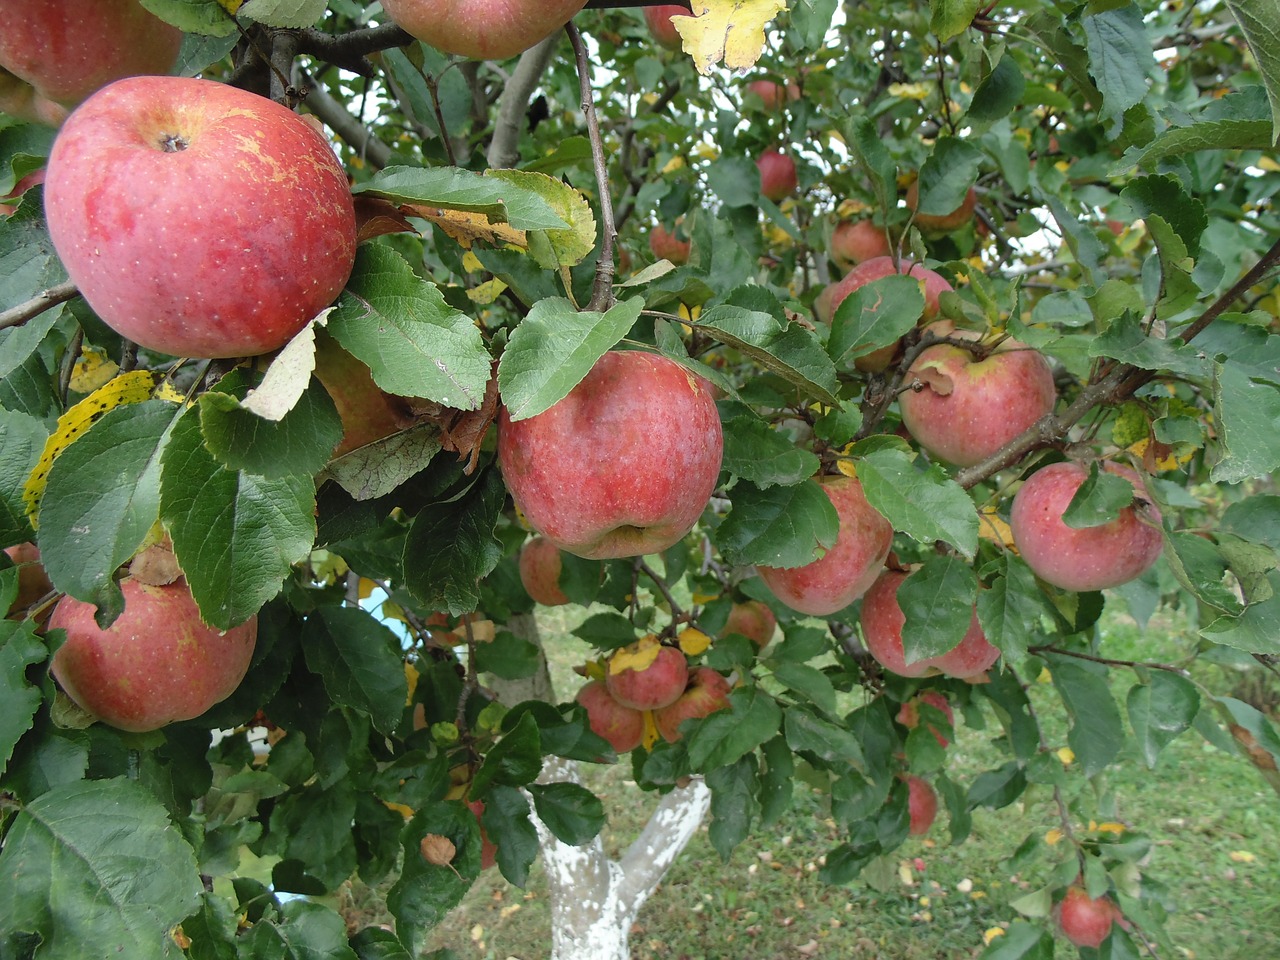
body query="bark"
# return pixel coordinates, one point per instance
(514, 105)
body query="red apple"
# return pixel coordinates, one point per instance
(1092, 558)
(158, 663)
(777, 175)
(942, 223)
(9, 202)
(882, 621)
(1084, 921)
(540, 572)
(753, 620)
(856, 241)
(932, 284)
(707, 692)
(368, 413)
(33, 582)
(622, 726)
(909, 714)
(652, 687)
(822, 309)
(482, 29)
(199, 219)
(774, 94)
(57, 52)
(664, 32)
(488, 849)
(845, 571)
(665, 245)
(621, 467)
(922, 805)
(963, 409)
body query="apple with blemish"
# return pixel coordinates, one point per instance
(1085, 920)
(707, 692)
(778, 179)
(753, 620)
(482, 29)
(942, 222)
(856, 241)
(540, 567)
(922, 805)
(622, 726)
(653, 686)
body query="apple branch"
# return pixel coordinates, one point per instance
(349, 50)
(46, 300)
(514, 103)
(338, 119)
(602, 297)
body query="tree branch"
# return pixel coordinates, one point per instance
(349, 50)
(514, 104)
(38, 304)
(354, 133)
(602, 297)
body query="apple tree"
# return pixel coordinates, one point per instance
(843, 362)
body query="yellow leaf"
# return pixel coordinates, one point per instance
(93, 369)
(487, 292)
(635, 656)
(704, 597)
(726, 31)
(847, 467)
(693, 641)
(595, 670)
(650, 731)
(905, 874)
(991, 933)
(411, 678)
(690, 314)
(365, 588)
(565, 247)
(1054, 837)
(400, 808)
(1066, 755)
(1112, 827)
(992, 527)
(909, 91)
(471, 263)
(466, 228)
(675, 163)
(1045, 676)
(1242, 856)
(231, 6)
(706, 151)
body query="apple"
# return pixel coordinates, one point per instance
(622, 726)
(482, 29)
(368, 412)
(1092, 558)
(942, 223)
(753, 620)
(665, 245)
(1084, 920)
(540, 572)
(198, 219)
(57, 52)
(33, 582)
(882, 620)
(856, 241)
(922, 805)
(158, 663)
(621, 467)
(664, 32)
(962, 409)
(844, 572)
(777, 175)
(774, 94)
(822, 309)
(652, 687)
(932, 284)
(909, 714)
(9, 202)
(488, 849)
(708, 691)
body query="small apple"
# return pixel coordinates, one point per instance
(844, 572)
(1091, 558)
(482, 29)
(664, 32)
(488, 849)
(33, 582)
(882, 621)
(753, 620)
(158, 663)
(666, 245)
(621, 467)
(540, 567)
(962, 409)
(368, 413)
(909, 714)
(707, 692)
(922, 805)
(1083, 920)
(622, 726)
(856, 241)
(198, 219)
(932, 284)
(651, 687)
(773, 94)
(777, 175)
(942, 223)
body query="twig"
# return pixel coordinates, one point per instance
(602, 297)
(677, 613)
(1150, 665)
(284, 47)
(46, 300)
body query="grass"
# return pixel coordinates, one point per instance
(1213, 822)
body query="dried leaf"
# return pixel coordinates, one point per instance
(437, 850)
(376, 217)
(462, 431)
(731, 32)
(636, 656)
(466, 228)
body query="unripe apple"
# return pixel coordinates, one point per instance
(33, 582)
(844, 572)
(664, 32)
(621, 467)
(158, 663)
(622, 726)
(962, 409)
(1083, 920)
(946, 222)
(1091, 558)
(932, 285)
(882, 621)
(777, 175)
(665, 245)
(922, 805)
(540, 567)
(772, 94)
(652, 687)
(856, 241)
(482, 29)
(368, 412)
(198, 219)
(753, 620)
(708, 691)
(909, 714)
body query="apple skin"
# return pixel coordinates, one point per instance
(656, 686)
(33, 582)
(845, 571)
(664, 32)
(708, 691)
(774, 94)
(856, 241)
(909, 714)
(488, 849)
(777, 175)
(665, 245)
(882, 621)
(225, 248)
(933, 285)
(368, 413)
(157, 664)
(482, 29)
(1084, 921)
(621, 467)
(60, 51)
(540, 566)
(942, 223)
(922, 804)
(962, 410)
(753, 620)
(1093, 558)
(622, 726)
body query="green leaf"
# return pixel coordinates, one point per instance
(456, 189)
(607, 630)
(1098, 500)
(809, 682)
(778, 527)
(514, 760)
(1176, 219)
(28, 264)
(1011, 609)
(1160, 710)
(950, 18)
(300, 444)
(311, 829)
(194, 16)
(1256, 518)
(1022, 941)
(925, 504)
(777, 780)
(947, 175)
(572, 813)
(553, 348)
(375, 470)
(1096, 733)
(304, 930)
(425, 892)
(937, 604)
(508, 656)
(999, 93)
(1126, 341)
(236, 535)
(1208, 135)
(104, 873)
(1247, 413)
(1120, 59)
(22, 440)
(756, 452)
(874, 316)
(1260, 23)
(722, 738)
(284, 13)
(807, 733)
(360, 662)
(506, 821)
(1256, 629)
(734, 791)
(20, 648)
(414, 343)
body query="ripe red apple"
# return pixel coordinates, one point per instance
(909, 714)
(158, 663)
(707, 692)
(198, 219)
(777, 175)
(540, 566)
(1092, 558)
(60, 51)
(621, 467)
(664, 32)
(932, 283)
(482, 29)
(488, 849)
(653, 687)
(774, 94)
(942, 223)
(1084, 921)
(622, 726)
(856, 241)
(33, 582)
(882, 621)
(845, 571)
(963, 409)
(754, 620)
(368, 413)
(922, 805)
(665, 245)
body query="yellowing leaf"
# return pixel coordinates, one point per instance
(93, 369)
(726, 31)
(704, 597)
(485, 293)
(992, 527)
(1044, 676)
(693, 641)
(1112, 827)
(847, 467)
(231, 6)
(675, 163)
(400, 808)
(650, 731)
(466, 228)
(594, 670)
(411, 678)
(471, 263)
(1054, 837)
(556, 248)
(706, 151)
(1066, 755)
(909, 91)
(991, 933)
(635, 656)
(1242, 856)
